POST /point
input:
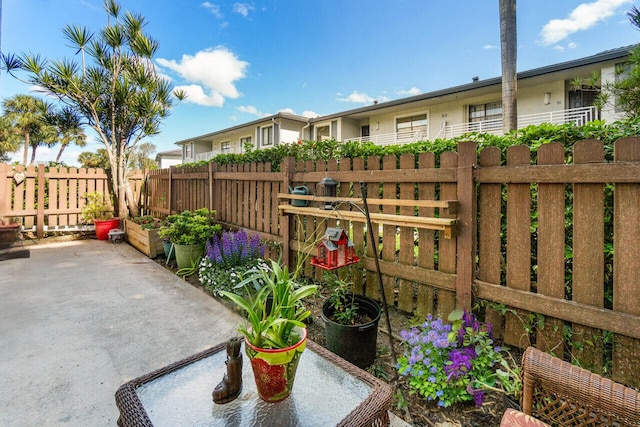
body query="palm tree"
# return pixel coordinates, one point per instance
(118, 93)
(26, 114)
(68, 126)
(508, 53)
(9, 138)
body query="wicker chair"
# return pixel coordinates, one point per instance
(561, 394)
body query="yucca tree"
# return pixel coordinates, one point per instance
(114, 88)
(26, 114)
(508, 54)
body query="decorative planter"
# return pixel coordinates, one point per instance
(274, 370)
(188, 255)
(103, 227)
(355, 343)
(146, 241)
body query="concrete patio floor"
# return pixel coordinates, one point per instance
(79, 318)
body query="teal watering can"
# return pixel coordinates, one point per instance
(300, 190)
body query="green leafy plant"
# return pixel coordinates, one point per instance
(342, 300)
(97, 207)
(275, 309)
(190, 228)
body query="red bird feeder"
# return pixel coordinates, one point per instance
(335, 250)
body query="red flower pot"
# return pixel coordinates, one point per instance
(104, 226)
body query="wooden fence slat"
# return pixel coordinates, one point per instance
(389, 232)
(626, 287)
(373, 191)
(489, 247)
(518, 244)
(425, 300)
(447, 247)
(588, 255)
(359, 235)
(407, 238)
(550, 250)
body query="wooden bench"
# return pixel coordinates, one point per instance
(561, 394)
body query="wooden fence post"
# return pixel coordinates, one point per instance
(287, 167)
(170, 204)
(5, 184)
(466, 248)
(212, 169)
(40, 214)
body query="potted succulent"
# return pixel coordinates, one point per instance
(275, 335)
(142, 233)
(189, 231)
(98, 210)
(351, 322)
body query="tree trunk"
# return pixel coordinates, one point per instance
(508, 52)
(27, 141)
(59, 156)
(33, 154)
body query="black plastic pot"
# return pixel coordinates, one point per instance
(356, 343)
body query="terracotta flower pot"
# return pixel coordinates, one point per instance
(275, 370)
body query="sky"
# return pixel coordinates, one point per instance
(239, 61)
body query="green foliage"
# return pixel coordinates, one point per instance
(274, 309)
(97, 207)
(147, 222)
(342, 299)
(190, 228)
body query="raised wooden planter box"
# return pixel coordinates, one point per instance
(146, 241)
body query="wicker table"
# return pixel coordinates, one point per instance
(327, 391)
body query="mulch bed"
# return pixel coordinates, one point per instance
(412, 408)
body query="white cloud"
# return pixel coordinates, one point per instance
(357, 97)
(214, 9)
(310, 114)
(489, 46)
(242, 8)
(572, 45)
(195, 95)
(210, 75)
(581, 18)
(250, 109)
(413, 91)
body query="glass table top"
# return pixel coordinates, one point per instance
(323, 395)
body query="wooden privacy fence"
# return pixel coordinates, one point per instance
(547, 241)
(51, 199)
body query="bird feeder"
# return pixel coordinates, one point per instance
(335, 250)
(327, 187)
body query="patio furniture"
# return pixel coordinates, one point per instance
(562, 394)
(328, 391)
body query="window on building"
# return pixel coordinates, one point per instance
(245, 143)
(225, 146)
(322, 133)
(187, 151)
(267, 136)
(413, 128)
(491, 113)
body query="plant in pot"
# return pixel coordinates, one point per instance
(189, 231)
(98, 210)
(275, 335)
(351, 322)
